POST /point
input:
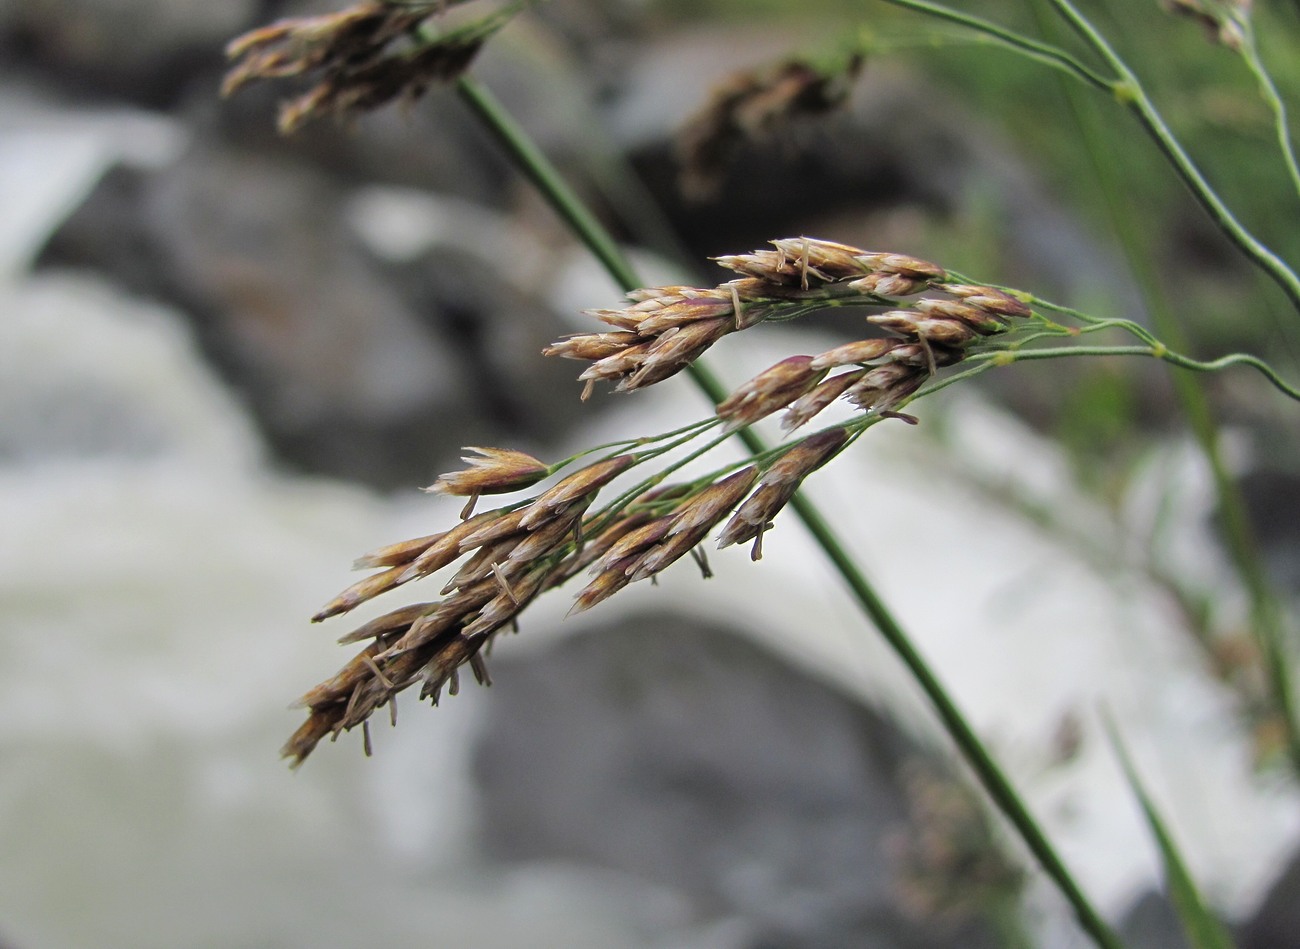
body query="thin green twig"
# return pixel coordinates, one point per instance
(538, 169)
(1129, 91)
(1004, 357)
(1268, 90)
(1035, 49)
(1239, 534)
(1132, 94)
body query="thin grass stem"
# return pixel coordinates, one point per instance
(1269, 92)
(1005, 357)
(1133, 95)
(1044, 53)
(1243, 548)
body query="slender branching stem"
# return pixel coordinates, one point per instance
(1266, 619)
(1004, 357)
(1129, 91)
(1132, 94)
(1035, 49)
(539, 170)
(1268, 90)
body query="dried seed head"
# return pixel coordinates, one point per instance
(804, 457)
(810, 403)
(924, 355)
(983, 321)
(602, 587)
(826, 260)
(945, 332)
(361, 591)
(771, 390)
(396, 622)
(902, 265)
(512, 555)
(989, 299)
(633, 543)
(548, 536)
(363, 57)
(505, 524)
(506, 605)
(594, 548)
(493, 471)
(676, 349)
(392, 555)
(574, 488)
(619, 319)
(663, 555)
(447, 617)
(447, 547)
(755, 515)
(862, 352)
(344, 681)
(889, 284)
(480, 565)
(663, 308)
(799, 261)
(886, 386)
(403, 76)
(620, 364)
(700, 513)
(291, 47)
(592, 346)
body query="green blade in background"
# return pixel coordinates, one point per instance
(1202, 928)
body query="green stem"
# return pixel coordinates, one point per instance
(539, 170)
(1042, 52)
(1268, 90)
(1131, 92)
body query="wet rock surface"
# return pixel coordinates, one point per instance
(686, 756)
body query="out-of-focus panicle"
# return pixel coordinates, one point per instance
(752, 105)
(1224, 21)
(359, 58)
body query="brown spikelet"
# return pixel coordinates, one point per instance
(491, 471)
(361, 591)
(770, 391)
(574, 488)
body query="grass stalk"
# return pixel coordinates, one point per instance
(1277, 105)
(1042, 52)
(538, 169)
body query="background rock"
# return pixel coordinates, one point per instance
(145, 50)
(685, 755)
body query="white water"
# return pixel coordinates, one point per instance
(155, 577)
